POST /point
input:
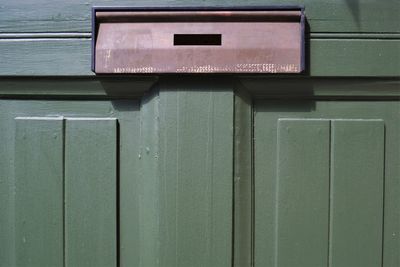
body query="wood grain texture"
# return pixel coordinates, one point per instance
(144, 248)
(90, 192)
(181, 191)
(62, 57)
(164, 199)
(357, 182)
(327, 57)
(196, 174)
(39, 185)
(323, 16)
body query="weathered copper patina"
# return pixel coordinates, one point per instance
(199, 41)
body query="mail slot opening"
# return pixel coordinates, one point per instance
(197, 39)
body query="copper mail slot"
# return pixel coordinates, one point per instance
(244, 40)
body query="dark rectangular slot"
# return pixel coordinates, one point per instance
(197, 39)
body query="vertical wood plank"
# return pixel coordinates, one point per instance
(243, 182)
(39, 192)
(357, 193)
(196, 152)
(302, 193)
(220, 156)
(147, 244)
(204, 179)
(7, 185)
(265, 162)
(90, 192)
(129, 176)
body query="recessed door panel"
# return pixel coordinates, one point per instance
(332, 187)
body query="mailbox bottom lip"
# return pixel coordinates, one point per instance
(268, 68)
(194, 72)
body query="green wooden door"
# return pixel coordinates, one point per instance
(65, 189)
(155, 171)
(59, 190)
(326, 183)
(117, 183)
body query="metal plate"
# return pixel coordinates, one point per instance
(267, 41)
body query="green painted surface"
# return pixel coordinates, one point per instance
(325, 57)
(78, 88)
(255, 86)
(90, 192)
(183, 193)
(38, 202)
(300, 88)
(243, 182)
(178, 207)
(60, 57)
(349, 57)
(323, 16)
(145, 251)
(187, 187)
(357, 180)
(196, 170)
(129, 178)
(38, 192)
(302, 190)
(363, 209)
(175, 177)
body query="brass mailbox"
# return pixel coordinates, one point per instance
(198, 40)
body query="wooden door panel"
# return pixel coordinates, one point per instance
(348, 207)
(90, 192)
(65, 191)
(39, 191)
(302, 178)
(357, 180)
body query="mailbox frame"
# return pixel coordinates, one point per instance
(96, 9)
